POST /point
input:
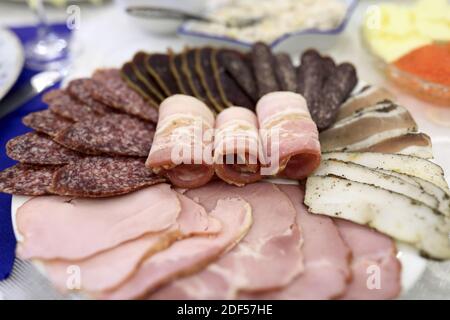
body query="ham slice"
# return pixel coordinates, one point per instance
(110, 268)
(289, 135)
(236, 146)
(189, 255)
(73, 229)
(182, 146)
(326, 257)
(269, 257)
(375, 267)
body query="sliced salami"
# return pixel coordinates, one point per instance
(263, 67)
(336, 90)
(27, 180)
(311, 76)
(81, 89)
(115, 134)
(285, 72)
(115, 93)
(204, 68)
(35, 148)
(46, 122)
(232, 94)
(103, 177)
(61, 103)
(241, 71)
(158, 65)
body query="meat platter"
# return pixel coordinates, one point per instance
(328, 183)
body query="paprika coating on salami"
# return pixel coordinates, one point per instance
(232, 94)
(103, 177)
(36, 148)
(46, 122)
(336, 90)
(130, 75)
(80, 89)
(241, 71)
(285, 72)
(116, 93)
(115, 134)
(263, 67)
(61, 103)
(139, 64)
(158, 65)
(27, 180)
(203, 66)
(176, 63)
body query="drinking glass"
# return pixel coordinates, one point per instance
(49, 49)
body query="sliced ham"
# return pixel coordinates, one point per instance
(109, 269)
(236, 146)
(181, 150)
(73, 229)
(375, 267)
(189, 255)
(289, 136)
(326, 257)
(269, 257)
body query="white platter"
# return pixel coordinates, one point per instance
(413, 265)
(11, 60)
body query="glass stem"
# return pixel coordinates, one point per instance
(43, 30)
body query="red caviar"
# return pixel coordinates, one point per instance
(430, 62)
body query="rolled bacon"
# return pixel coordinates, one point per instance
(289, 136)
(182, 146)
(236, 146)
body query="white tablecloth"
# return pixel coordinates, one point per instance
(106, 37)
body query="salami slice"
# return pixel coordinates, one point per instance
(139, 64)
(158, 65)
(35, 148)
(27, 180)
(336, 90)
(263, 67)
(285, 72)
(232, 94)
(241, 71)
(61, 103)
(130, 75)
(46, 122)
(203, 66)
(115, 93)
(103, 177)
(81, 89)
(311, 76)
(176, 63)
(115, 134)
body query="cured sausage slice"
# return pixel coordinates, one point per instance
(35, 148)
(27, 180)
(46, 122)
(115, 93)
(97, 177)
(115, 134)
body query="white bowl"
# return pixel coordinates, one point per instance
(289, 42)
